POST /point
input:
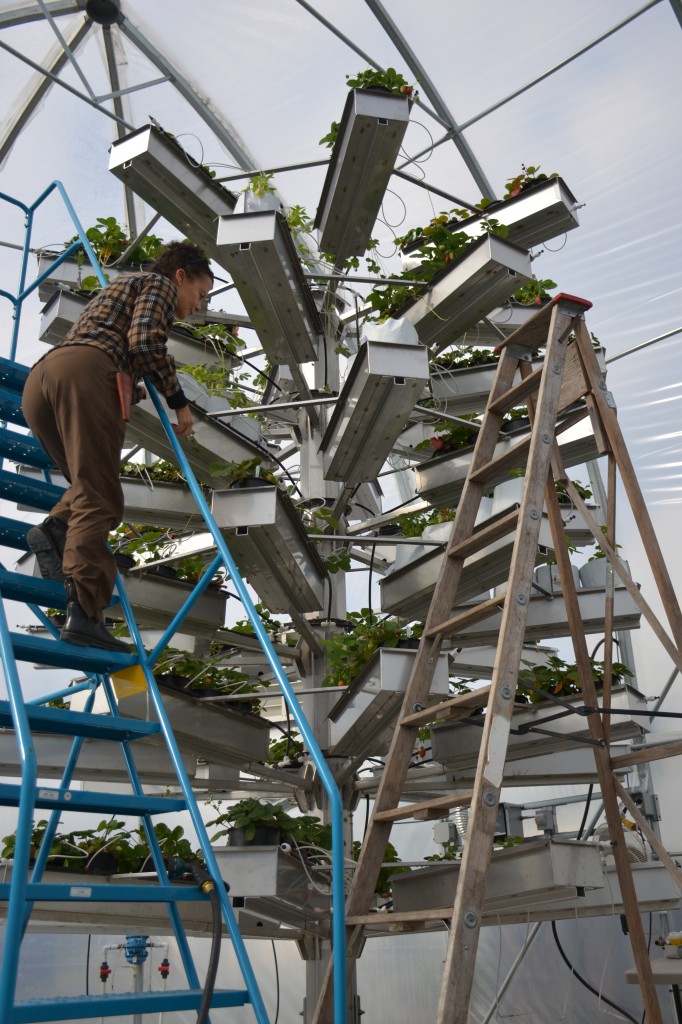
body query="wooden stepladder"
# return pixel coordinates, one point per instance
(570, 372)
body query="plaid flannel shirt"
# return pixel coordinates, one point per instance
(130, 320)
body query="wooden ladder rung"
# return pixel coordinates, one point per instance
(485, 534)
(468, 618)
(428, 808)
(455, 707)
(515, 395)
(499, 467)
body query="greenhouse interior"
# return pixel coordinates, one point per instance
(385, 705)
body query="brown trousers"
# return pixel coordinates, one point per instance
(71, 404)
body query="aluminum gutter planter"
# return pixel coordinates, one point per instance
(271, 548)
(158, 170)
(215, 733)
(156, 599)
(456, 745)
(362, 721)
(383, 386)
(369, 138)
(258, 251)
(488, 273)
(65, 306)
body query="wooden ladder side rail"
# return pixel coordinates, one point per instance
(605, 777)
(632, 488)
(649, 834)
(402, 742)
(647, 611)
(460, 960)
(610, 598)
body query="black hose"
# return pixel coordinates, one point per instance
(203, 879)
(582, 981)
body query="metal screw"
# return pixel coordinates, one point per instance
(521, 599)
(506, 692)
(489, 799)
(470, 919)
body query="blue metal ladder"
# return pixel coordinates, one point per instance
(27, 717)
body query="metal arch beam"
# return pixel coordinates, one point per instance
(209, 116)
(41, 84)
(677, 10)
(432, 94)
(22, 15)
(120, 111)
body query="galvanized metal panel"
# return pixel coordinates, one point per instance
(533, 216)
(259, 253)
(158, 170)
(489, 272)
(367, 145)
(362, 721)
(457, 744)
(156, 600)
(271, 548)
(384, 384)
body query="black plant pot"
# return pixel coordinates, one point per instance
(123, 561)
(264, 835)
(249, 481)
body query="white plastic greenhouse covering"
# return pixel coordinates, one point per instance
(588, 90)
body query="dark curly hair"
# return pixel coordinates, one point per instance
(185, 255)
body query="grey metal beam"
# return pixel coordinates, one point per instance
(434, 97)
(40, 86)
(115, 82)
(677, 10)
(22, 15)
(677, 7)
(67, 49)
(57, 81)
(220, 129)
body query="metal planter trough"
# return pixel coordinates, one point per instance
(371, 132)
(440, 481)
(466, 389)
(363, 720)
(69, 274)
(547, 617)
(271, 547)
(258, 251)
(535, 215)
(215, 733)
(535, 872)
(385, 382)
(156, 599)
(406, 590)
(157, 169)
(233, 440)
(488, 273)
(65, 306)
(457, 744)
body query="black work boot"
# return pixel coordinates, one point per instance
(46, 541)
(80, 629)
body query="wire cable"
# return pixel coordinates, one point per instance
(590, 988)
(274, 956)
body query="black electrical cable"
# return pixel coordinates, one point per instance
(590, 988)
(274, 954)
(369, 586)
(261, 373)
(87, 966)
(204, 880)
(364, 831)
(587, 807)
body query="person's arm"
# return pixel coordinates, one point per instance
(150, 325)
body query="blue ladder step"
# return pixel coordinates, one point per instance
(10, 407)
(17, 586)
(43, 651)
(79, 1007)
(58, 722)
(107, 892)
(13, 375)
(28, 491)
(83, 800)
(13, 534)
(23, 449)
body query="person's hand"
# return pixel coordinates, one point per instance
(185, 424)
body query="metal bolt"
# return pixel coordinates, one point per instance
(417, 707)
(470, 919)
(506, 692)
(547, 438)
(521, 599)
(489, 799)
(556, 368)
(534, 514)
